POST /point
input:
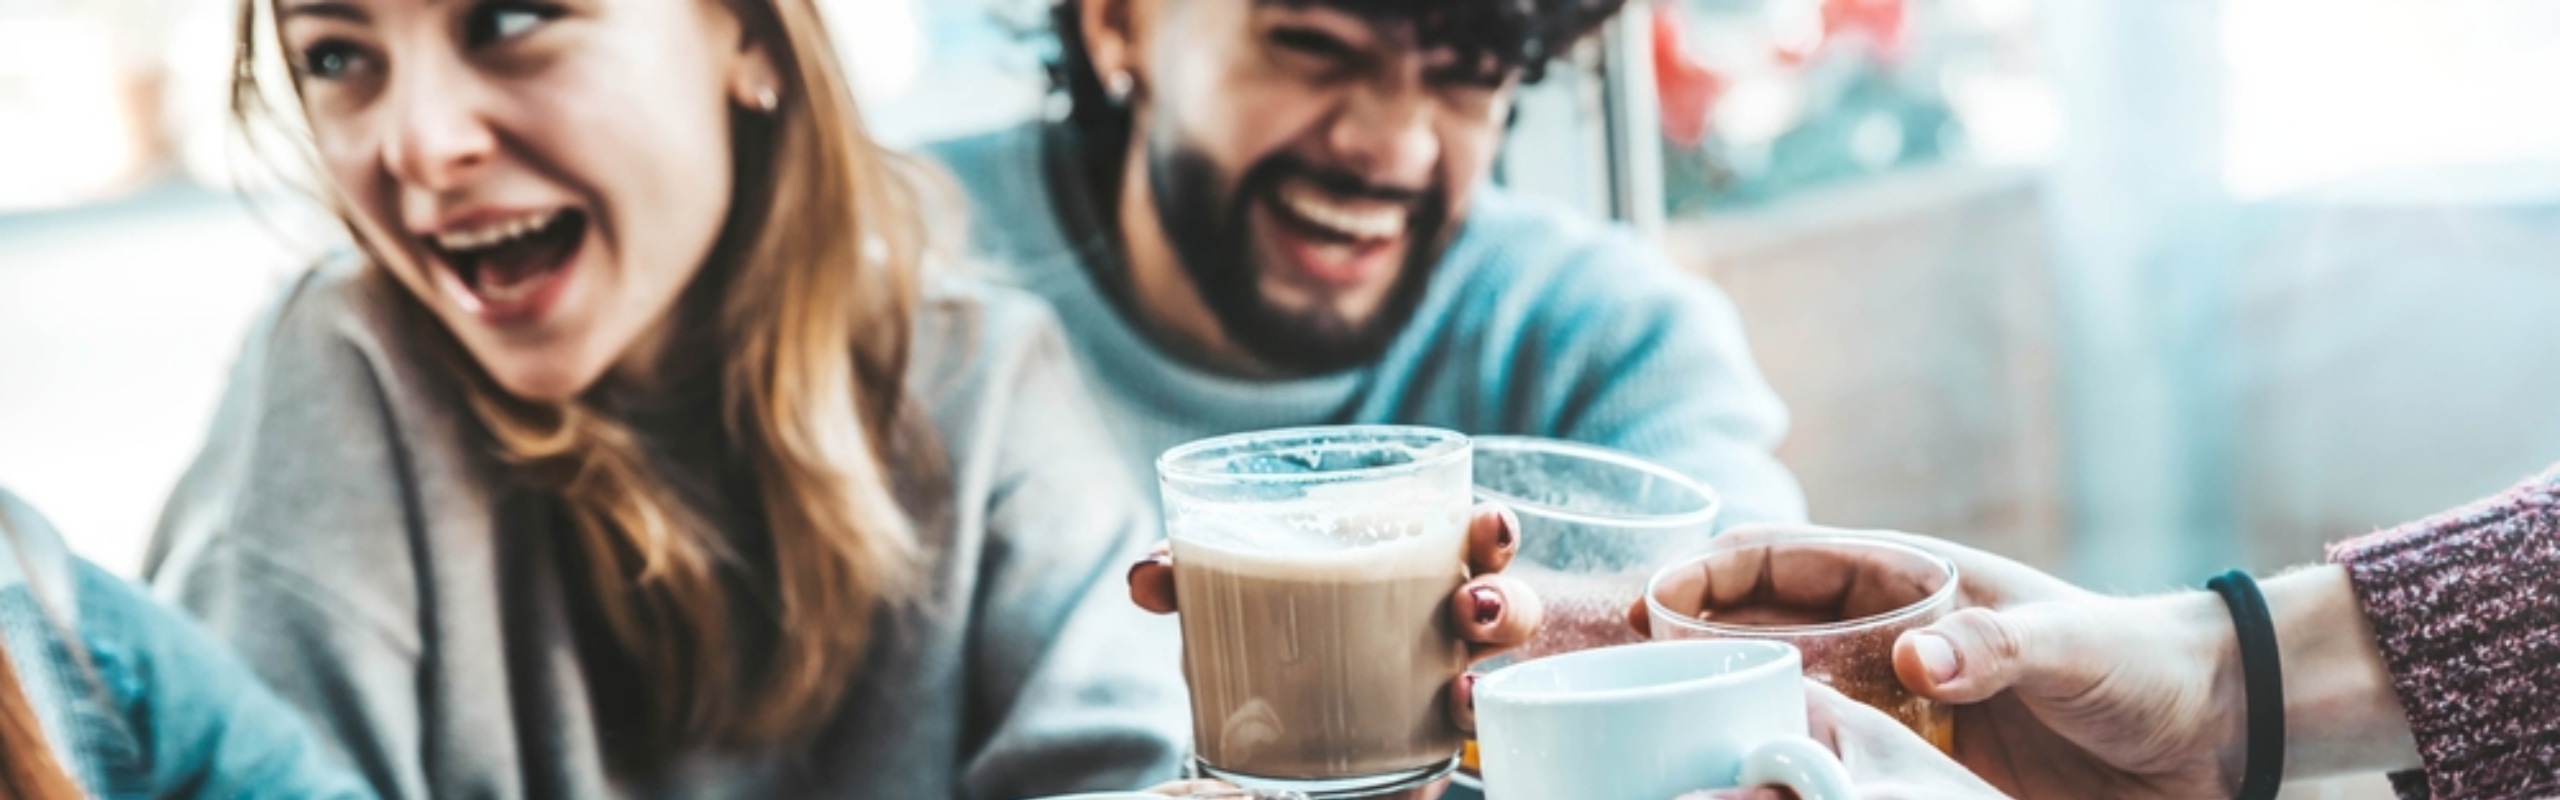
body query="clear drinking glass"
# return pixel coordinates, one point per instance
(1595, 524)
(1842, 600)
(1314, 567)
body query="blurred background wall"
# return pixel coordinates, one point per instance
(2131, 289)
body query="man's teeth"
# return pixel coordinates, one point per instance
(494, 233)
(1310, 204)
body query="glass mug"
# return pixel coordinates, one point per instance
(1314, 568)
(1842, 600)
(1595, 524)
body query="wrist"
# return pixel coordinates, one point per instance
(2212, 643)
(2340, 706)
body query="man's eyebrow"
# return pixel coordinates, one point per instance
(1372, 12)
(329, 9)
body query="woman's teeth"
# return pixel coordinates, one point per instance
(1380, 221)
(495, 233)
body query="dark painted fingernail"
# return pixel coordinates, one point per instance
(1488, 604)
(1470, 678)
(1158, 559)
(1503, 538)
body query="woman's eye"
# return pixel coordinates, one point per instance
(331, 61)
(491, 23)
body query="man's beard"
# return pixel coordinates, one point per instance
(1209, 225)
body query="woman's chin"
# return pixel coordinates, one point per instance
(544, 383)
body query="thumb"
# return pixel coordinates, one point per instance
(1977, 653)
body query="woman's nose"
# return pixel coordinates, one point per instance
(439, 137)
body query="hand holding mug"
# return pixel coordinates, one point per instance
(1492, 612)
(1333, 585)
(2059, 692)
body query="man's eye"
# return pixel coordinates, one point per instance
(1310, 42)
(1472, 79)
(495, 22)
(331, 61)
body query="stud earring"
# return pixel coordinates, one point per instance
(1119, 86)
(767, 99)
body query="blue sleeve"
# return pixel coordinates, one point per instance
(206, 727)
(1667, 373)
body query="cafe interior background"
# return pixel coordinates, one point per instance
(2131, 290)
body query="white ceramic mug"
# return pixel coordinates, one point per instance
(1651, 722)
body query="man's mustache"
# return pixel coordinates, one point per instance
(1342, 183)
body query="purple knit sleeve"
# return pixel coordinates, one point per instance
(2466, 607)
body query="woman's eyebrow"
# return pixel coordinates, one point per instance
(330, 9)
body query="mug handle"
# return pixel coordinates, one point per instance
(1798, 763)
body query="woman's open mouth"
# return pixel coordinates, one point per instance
(510, 271)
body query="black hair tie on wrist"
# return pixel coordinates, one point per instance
(2262, 676)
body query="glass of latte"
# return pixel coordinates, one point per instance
(1313, 567)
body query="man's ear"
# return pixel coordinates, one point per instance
(1111, 44)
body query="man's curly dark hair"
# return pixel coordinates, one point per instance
(1510, 34)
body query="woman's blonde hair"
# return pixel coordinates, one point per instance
(808, 300)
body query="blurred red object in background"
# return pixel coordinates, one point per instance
(1879, 22)
(1878, 25)
(1685, 86)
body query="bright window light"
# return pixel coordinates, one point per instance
(2331, 93)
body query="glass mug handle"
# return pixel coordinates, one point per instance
(1798, 763)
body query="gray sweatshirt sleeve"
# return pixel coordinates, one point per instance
(1074, 688)
(286, 538)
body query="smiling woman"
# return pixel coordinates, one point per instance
(638, 435)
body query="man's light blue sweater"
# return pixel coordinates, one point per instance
(1538, 322)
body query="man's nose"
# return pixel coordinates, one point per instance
(1385, 132)
(439, 137)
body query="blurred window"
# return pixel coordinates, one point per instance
(1761, 99)
(943, 68)
(2366, 94)
(79, 100)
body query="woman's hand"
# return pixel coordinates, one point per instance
(1492, 612)
(1885, 760)
(2060, 692)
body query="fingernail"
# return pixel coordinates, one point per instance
(1158, 559)
(1503, 537)
(1488, 604)
(1937, 656)
(1470, 678)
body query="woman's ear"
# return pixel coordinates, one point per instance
(754, 83)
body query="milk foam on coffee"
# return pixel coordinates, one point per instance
(1315, 632)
